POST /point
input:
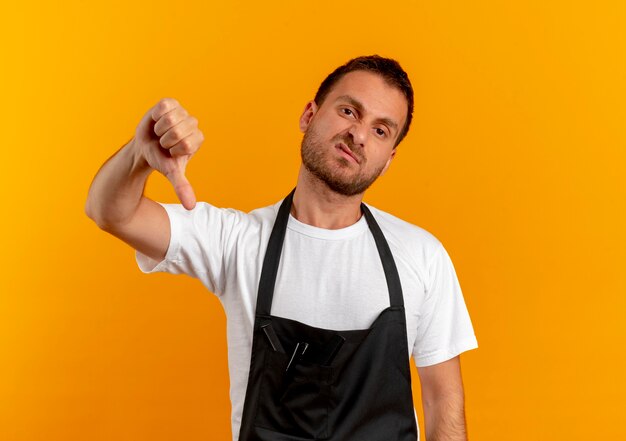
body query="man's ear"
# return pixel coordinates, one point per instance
(393, 154)
(307, 115)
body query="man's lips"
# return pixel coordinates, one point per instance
(341, 146)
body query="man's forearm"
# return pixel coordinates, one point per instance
(117, 188)
(445, 419)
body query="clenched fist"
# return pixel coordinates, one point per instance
(166, 138)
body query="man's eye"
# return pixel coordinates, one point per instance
(347, 111)
(380, 132)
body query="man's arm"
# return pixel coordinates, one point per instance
(443, 401)
(165, 139)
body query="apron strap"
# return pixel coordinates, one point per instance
(269, 271)
(272, 258)
(389, 265)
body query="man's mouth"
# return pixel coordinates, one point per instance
(341, 146)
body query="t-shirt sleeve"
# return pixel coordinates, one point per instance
(444, 327)
(200, 244)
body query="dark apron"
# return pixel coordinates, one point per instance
(308, 383)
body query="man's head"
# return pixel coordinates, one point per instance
(389, 69)
(351, 129)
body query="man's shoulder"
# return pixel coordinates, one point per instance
(259, 214)
(266, 213)
(402, 232)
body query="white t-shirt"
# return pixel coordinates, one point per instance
(331, 279)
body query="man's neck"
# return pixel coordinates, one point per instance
(317, 205)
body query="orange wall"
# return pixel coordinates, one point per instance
(515, 161)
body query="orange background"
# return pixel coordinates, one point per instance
(515, 161)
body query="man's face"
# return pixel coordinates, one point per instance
(349, 140)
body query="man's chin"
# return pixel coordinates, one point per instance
(344, 188)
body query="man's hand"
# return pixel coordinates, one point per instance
(443, 401)
(166, 138)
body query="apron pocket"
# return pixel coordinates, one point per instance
(295, 404)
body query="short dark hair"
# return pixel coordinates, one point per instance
(387, 68)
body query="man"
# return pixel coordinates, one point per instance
(312, 346)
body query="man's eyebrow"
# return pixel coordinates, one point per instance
(359, 107)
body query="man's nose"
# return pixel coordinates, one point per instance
(358, 133)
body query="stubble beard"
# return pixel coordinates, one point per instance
(331, 170)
